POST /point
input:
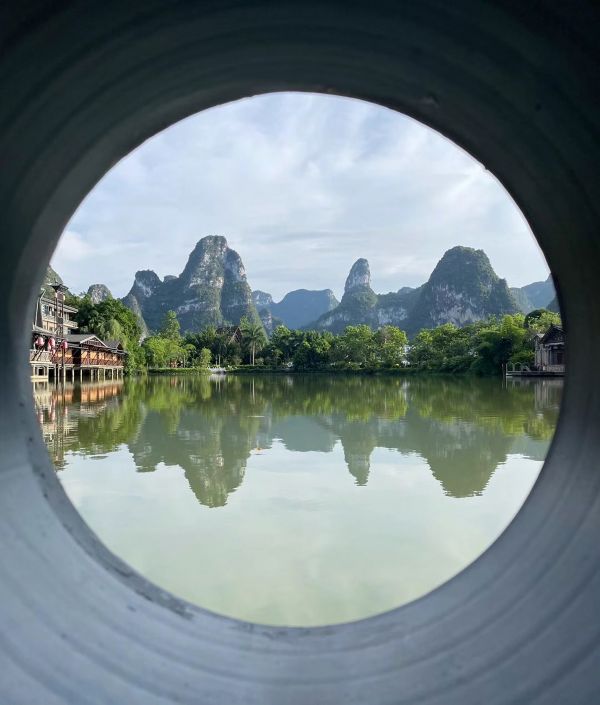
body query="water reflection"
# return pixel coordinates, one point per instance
(463, 428)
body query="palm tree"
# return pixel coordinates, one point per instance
(254, 335)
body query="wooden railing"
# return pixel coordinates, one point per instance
(97, 358)
(40, 356)
(87, 358)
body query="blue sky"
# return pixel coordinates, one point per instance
(301, 185)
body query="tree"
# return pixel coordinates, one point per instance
(499, 342)
(313, 353)
(171, 328)
(282, 345)
(391, 343)
(446, 348)
(168, 348)
(204, 358)
(356, 345)
(540, 320)
(253, 336)
(157, 351)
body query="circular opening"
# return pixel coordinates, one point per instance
(81, 87)
(315, 477)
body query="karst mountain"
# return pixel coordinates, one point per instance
(213, 289)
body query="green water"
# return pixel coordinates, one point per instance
(299, 500)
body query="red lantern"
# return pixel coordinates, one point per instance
(64, 345)
(39, 342)
(51, 343)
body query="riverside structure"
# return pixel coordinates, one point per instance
(58, 352)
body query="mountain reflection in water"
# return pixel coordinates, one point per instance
(463, 428)
(314, 498)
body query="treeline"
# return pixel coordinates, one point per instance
(483, 347)
(480, 348)
(356, 348)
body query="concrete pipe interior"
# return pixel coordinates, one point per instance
(515, 85)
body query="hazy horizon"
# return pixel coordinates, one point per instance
(301, 185)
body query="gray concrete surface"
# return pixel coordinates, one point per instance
(515, 84)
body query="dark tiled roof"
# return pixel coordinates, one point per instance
(84, 337)
(114, 345)
(553, 332)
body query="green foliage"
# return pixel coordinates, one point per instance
(170, 328)
(481, 348)
(168, 348)
(484, 347)
(314, 351)
(110, 320)
(466, 271)
(540, 320)
(444, 349)
(357, 348)
(254, 337)
(464, 428)
(204, 358)
(356, 345)
(499, 341)
(224, 349)
(391, 343)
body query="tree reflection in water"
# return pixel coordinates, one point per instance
(463, 428)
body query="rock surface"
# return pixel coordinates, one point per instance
(211, 290)
(361, 305)
(463, 288)
(261, 299)
(359, 277)
(266, 318)
(99, 293)
(51, 277)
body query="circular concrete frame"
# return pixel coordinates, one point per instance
(515, 84)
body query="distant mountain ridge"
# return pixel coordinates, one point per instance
(360, 304)
(297, 308)
(213, 289)
(463, 288)
(535, 295)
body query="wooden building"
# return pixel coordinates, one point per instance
(232, 334)
(85, 356)
(549, 356)
(550, 351)
(57, 352)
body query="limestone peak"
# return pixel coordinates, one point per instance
(359, 276)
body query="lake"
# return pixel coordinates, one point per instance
(299, 499)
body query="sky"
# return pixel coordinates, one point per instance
(301, 185)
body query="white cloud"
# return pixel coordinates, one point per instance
(72, 248)
(301, 185)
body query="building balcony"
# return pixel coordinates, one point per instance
(43, 356)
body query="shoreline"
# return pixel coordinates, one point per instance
(366, 372)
